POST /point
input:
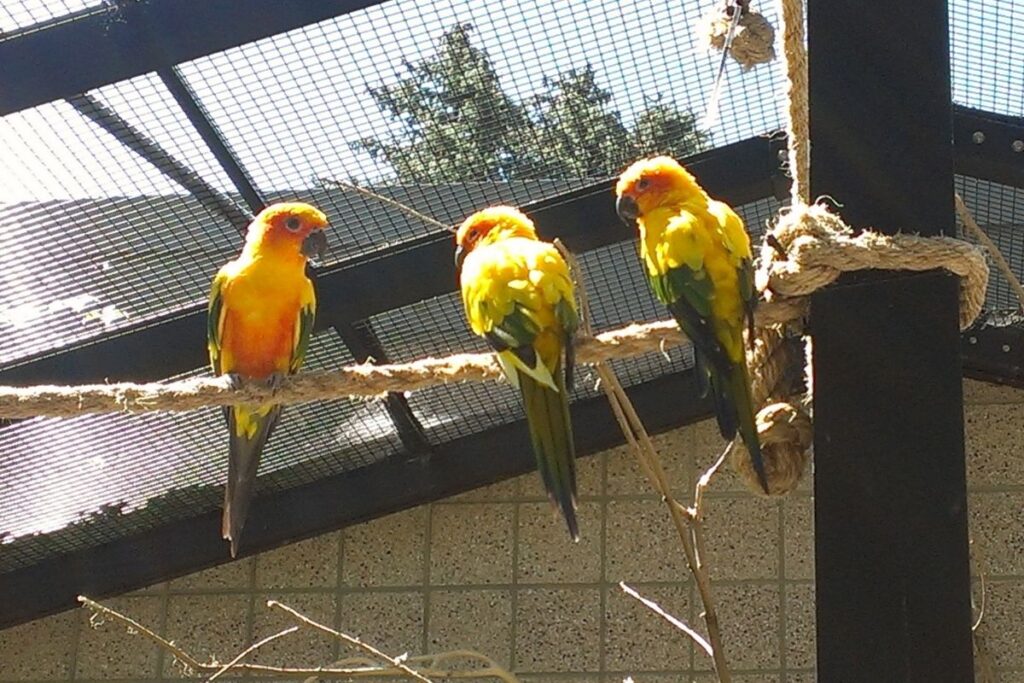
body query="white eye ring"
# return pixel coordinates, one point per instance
(293, 224)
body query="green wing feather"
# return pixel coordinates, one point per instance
(545, 400)
(214, 320)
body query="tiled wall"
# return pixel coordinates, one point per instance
(493, 570)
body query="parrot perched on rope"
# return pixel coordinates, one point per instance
(518, 295)
(261, 313)
(696, 254)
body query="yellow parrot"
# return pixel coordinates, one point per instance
(261, 314)
(518, 296)
(696, 254)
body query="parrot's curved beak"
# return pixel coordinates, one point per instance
(627, 209)
(315, 245)
(460, 256)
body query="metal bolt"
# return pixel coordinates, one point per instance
(1017, 146)
(1006, 348)
(783, 154)
(973, 340)
(978, 137)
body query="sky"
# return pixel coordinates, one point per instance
(290, 104)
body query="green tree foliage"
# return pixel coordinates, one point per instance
(455, 122)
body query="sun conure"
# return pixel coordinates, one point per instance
(696, 254)
(518, 295)
(261, 315)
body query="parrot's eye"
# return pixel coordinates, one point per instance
(642, 184)
(292, 223)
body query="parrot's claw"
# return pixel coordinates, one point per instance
(274, 381)
(235, 380)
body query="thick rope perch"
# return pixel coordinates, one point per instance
(815, 260)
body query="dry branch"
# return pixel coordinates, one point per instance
(422, 667)
(687, 521)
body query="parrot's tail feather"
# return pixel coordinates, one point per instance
(702, 373)
(243, 460)
(725, 402)
(547, 413)
(740, 388)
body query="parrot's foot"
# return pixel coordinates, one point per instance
(274, 381)
(235, 380)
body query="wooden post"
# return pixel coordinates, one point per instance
(892, 564)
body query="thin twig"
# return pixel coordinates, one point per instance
(344, 184)
(688, 526)
(354, 667)
(675, 621)
(179, 654)
(972, 226)
(249, 650)
(351, 640)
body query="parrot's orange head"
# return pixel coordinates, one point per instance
(488, 226)
(290, 226)
(650, 183)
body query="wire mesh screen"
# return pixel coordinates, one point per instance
(987, 54)
(93, 237)
(23, 14)
(999, 211)
(75, 483)
(434, 94)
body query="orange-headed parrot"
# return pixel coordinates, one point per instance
(518, 295)
(261, 314)
(697, 257)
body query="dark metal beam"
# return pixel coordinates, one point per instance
(989, 146)
(363, 343)
(65, 58)
(179, 172)
(892, 571)
(186, 546)
(420, 269)
(200, 120)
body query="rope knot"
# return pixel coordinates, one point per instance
(753, 42)
(785, 433)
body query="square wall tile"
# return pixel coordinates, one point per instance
(387, 551)
(236, 574)
(675, 451)
(506, 490)
(749, 619)
(798, 521)
(708, 444)
(636, 639)
(977, 392)
(390, 621)
(996, 522)
(742, 537)
(992, 444)
(641, 543)
(207, 627)
(1002, 627)
(589, 476)
(478, 620)
(801, 641)
(471, 543)
(107, 650)
(304, 648)
(558, 630)
(548, 555)
(306, 564)
(739, 678)
(40, 649)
